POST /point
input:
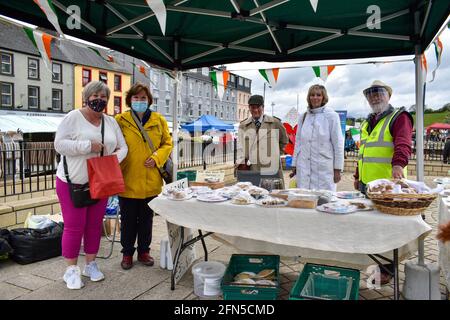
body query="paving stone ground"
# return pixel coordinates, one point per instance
(43, 280)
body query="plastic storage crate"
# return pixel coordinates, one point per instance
(253, 263)
(320, 282)
(191, 175)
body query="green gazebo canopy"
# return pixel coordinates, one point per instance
(206, 33)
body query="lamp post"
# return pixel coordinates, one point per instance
(264, 91)
(273, 104)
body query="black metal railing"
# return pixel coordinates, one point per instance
(433, 151)
(27, 167)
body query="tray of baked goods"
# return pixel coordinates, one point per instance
(401, 196)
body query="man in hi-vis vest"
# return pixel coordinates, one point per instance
(385, 146)
(386, 139)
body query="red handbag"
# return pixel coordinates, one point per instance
(105, 177)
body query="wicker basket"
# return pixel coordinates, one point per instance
(401, 204)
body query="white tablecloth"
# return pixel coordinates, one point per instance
(444, 250)
(296, 232)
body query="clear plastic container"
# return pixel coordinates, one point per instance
(305, 201)
(207, 278)
(325, 287)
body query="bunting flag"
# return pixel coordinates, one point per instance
(314, 4)
(49, 10)
(323, 72)
(141, 69)
(423, 61)
(220, 81)
(159, 9)
(108, 57)
(271, 75)
(438, 47)
(42, 41)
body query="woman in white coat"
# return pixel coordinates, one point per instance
(319, 144)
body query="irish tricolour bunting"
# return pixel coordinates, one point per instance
(49, 10)
(159, 9)
(271, 75)
(220, 80)
(323, 72)
(42, 41)
(438, 50)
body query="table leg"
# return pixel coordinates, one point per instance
(396, 277)
(203, 244)
(175, 259)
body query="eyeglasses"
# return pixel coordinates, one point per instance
(375, 90)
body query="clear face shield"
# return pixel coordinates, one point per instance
(378, 98)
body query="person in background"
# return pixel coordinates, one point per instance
(446, 151)
(385, 149)
(77, 139)
(143, 181)
(319, 145)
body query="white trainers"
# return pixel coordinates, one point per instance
(72, 277)
(91, 270)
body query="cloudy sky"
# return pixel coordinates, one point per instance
(345, 84)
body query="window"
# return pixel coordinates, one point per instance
(221, 115)
(117, 82)
(33, 68)
(247, 83)
(167, 102)
(167, 110)
(167, 82)
(103, 76)
(6, 61)
(56, 99)
(155, 80)
(57, 72)
(239, 114)
(33, 97)
(191, 112)
(207, 89)
(191, 88)
(86, 76)
(241, 81)
(199, 111)
(207, 112)
(117, 105)
(7, 94)
(200, 89)
(215, 114)
(232, 78)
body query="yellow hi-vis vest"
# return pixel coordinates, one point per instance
(376, 151)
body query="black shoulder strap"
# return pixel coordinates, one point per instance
(66, 171)
(103, 134)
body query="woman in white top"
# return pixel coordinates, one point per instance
(79, 138)
(319, 144)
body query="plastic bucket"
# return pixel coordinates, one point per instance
(207, 278)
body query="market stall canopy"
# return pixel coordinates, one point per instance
(207, 122)
(199, 33)
(28, 124)
(438, 126)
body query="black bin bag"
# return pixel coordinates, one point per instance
(32, 245)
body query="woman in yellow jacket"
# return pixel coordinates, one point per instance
(143, 181)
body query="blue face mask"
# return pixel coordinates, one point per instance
(139, 106)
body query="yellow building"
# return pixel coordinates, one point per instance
(242, 105)
(118, 82)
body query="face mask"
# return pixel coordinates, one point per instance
(98, 105)
(139, 106)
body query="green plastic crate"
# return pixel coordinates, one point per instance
(253, 263)
(331, 284)
(191, 175)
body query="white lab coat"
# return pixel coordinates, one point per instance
(319, 149)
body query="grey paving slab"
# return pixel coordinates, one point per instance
(54, 291)
(162, 292)
(10, 292)
(29, 281)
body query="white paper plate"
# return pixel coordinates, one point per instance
(442, 180)
(208, 199)
(350, 209)
(350, 195)
(259, 203)
(189, 196)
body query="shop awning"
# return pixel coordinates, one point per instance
(28, 124)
